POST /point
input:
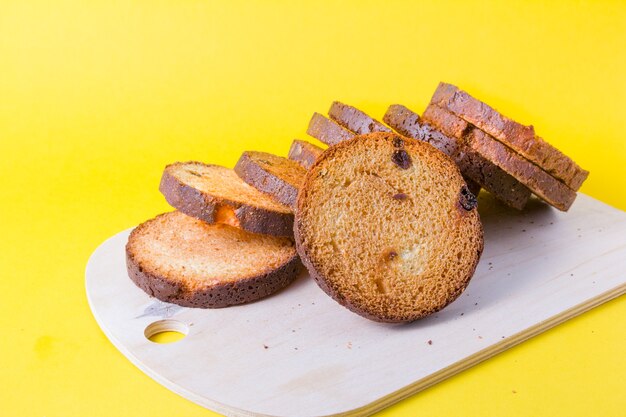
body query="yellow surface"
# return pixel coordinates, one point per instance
(97, 96)
(167, 337)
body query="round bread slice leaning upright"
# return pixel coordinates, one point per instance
(387, 227)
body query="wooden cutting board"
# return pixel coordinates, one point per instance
(300, 353)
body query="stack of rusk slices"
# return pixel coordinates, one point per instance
(385, 219)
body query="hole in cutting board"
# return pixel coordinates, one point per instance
(166, 331)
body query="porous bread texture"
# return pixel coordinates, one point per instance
(522, 139)
(354, 119)
(216, 194)
(386, 226)
(542, 184)
(273, 175)
(326, 130)
(473, 167)
(304, 153)
(182, 260)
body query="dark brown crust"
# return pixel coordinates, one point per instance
(503, 186)
(493, 178)
(477, 171)
(327, 131)
(475, 165)
(304, 153)
(195, 203)
(354, 119)
(252, 172)
(545, 186)
(220, 295)
(519, 137)
(449, 124)
(323, 282)
(408, 123)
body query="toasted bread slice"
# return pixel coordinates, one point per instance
(542, 184)
(327, 131)
(182, 260)
(304, 153)
(473, 167)
(354, 119)
(216, 194)
(522, 139)
(408, 123)
(274, 175)
(387, 227)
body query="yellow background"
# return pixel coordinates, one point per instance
(97, 96)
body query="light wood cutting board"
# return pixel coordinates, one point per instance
(298, 353)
